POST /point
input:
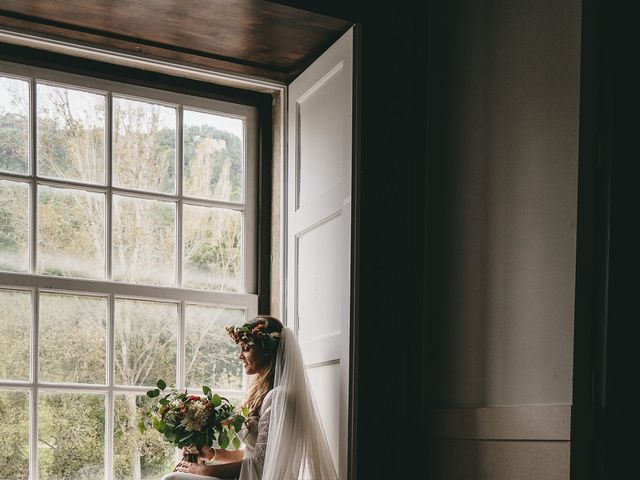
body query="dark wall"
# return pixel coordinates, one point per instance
(617, 411)
(389, 244)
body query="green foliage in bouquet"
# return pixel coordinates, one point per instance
(191, 420)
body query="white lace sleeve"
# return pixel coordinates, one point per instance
(263, 430)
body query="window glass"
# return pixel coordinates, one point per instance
(14, 125)
(72, 338)
(212, 248)
(71, 134)
(14, 226)
(14, 434)
(211, 359)
(144, 146)
(15, 334)
(213, 156)
(147, 455)
(144, 240)
(145, 342)
(70, 435)
(71, 232)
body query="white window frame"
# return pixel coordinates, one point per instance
(35, 283)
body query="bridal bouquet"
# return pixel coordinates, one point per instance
(191, 421)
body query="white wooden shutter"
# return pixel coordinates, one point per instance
(319, 232)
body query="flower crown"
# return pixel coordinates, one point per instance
(254, 335)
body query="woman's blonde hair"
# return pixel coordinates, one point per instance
(263, 381)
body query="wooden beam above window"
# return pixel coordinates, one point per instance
(257, 38)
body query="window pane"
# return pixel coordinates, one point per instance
(213, 156)
(145, 342)
(14, 226)
(71, 134)
(14, 125)
(211, 356)
(71, 232)
(235, 399)
(212, 248)
(144, 241)
(144, 146)
(70, 436)
(144, 456)
(15, 334)
(72, 338)
(14, 435)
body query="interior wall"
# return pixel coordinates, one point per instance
(503, 175)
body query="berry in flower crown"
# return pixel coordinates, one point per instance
(252, 334)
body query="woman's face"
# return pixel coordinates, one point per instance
(252, 358)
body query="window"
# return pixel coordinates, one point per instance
(127, 241)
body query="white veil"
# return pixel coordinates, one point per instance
(296, 447)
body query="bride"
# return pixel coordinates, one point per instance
(283, 437)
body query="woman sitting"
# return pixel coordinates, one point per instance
(283, 436)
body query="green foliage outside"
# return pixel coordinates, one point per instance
(15, 327)
(14, 145)
(144, 455)
(14, 226)
(68, 423)
(14, 435)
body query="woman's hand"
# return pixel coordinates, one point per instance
(197, 468)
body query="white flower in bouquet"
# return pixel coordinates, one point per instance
(196, 415)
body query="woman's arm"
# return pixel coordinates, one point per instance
(221, 455)
(223, 470)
